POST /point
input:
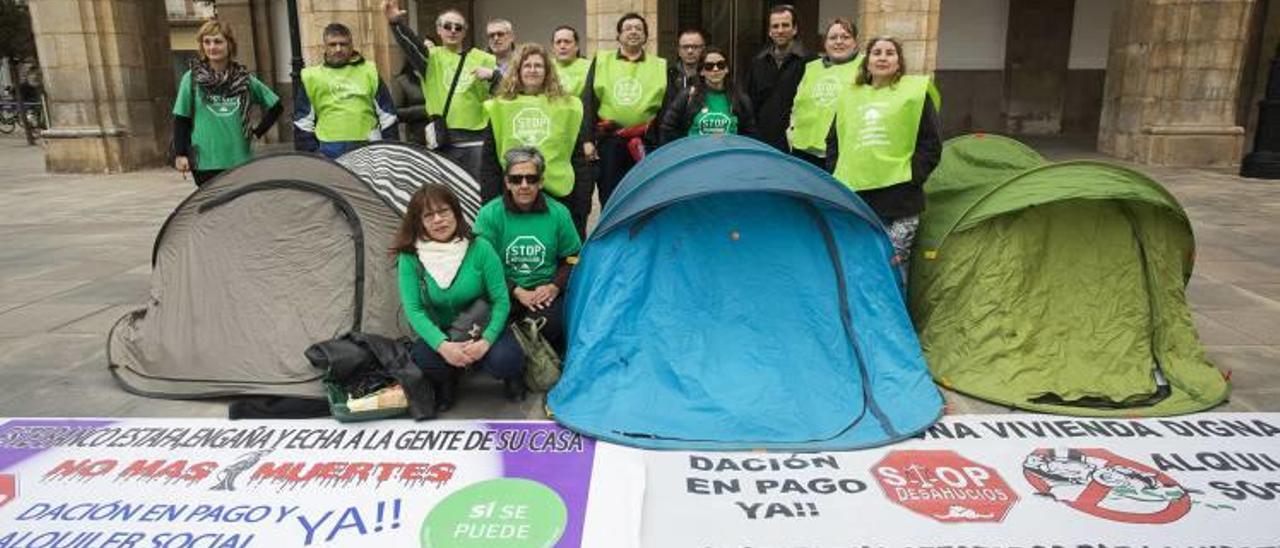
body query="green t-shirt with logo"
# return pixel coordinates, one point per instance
(530, 245)
(716, 116)
(216, 134)
(573, 76)
(467, 109)
(551, 126)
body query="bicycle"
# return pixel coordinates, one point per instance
(9, 116)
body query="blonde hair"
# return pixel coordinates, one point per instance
(214, 27)
(510, 86)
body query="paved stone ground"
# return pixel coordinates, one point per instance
(75, 256)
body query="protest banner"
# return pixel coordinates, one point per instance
(979, 481)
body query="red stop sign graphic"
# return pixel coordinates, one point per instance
(944, 486)
(8, 488)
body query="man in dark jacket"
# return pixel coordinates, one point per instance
(774, 75)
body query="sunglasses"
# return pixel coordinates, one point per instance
(716, 65)
(521, 180)
(454, 27)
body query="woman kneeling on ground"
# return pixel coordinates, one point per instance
(447, 276)
(537, 241)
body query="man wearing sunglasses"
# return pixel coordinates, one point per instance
(774, 75)
(536, 240)
(501, 35)
(438, 69)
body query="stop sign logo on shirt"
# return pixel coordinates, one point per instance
(944, 486)
(8, 488)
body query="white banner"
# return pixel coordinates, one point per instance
(994, 481)
(988, 481)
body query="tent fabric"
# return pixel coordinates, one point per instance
(733, 297)
(396, 170)
(255, 266)
(1057, 287)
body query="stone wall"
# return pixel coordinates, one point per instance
(1172, 81)
(602, 19)
(913, 22)
(109, 87)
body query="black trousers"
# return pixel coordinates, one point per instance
(615, 162)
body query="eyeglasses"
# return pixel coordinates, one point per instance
(716, 65)
(498, 34)
(442, 212)
(520, 180)
(692, 46)
(453, 27)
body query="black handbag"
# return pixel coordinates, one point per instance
(436, 133)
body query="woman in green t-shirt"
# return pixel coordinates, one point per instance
(713, 105)
(446, 278)
(211, 114)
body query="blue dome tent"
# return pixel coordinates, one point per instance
(732, 297)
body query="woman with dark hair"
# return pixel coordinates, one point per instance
(447, 280)
(713, 105)
(885, 141)
(211, 114)
(531, 109)
(824, 79)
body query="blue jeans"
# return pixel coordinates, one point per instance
(504, 360)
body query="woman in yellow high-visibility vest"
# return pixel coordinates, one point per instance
(885, 141)
(824, 79)
(531, 109)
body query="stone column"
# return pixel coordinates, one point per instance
(110, 87)
(912, 22)
(239, 14)
(371, 35)
(602, 21)
(1172, 79)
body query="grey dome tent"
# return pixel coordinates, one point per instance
(261, 262)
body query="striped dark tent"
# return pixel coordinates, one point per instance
(396, 170)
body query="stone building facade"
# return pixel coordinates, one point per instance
(1164, 82)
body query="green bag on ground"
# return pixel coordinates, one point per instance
(541, 363)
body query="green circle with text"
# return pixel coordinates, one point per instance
(499, 513)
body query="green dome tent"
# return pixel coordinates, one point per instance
(1057, 287)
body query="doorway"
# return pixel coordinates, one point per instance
(736, 26)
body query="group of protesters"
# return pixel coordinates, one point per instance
(544, 129)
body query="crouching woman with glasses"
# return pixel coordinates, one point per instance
(448, 279)
(536, 239)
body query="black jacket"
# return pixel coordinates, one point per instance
(772, 89)
(905, 198)
(679, 114)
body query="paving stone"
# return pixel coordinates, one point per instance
(38, 318)
(1262, 326)
(1213, 332)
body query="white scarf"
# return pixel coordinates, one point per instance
(442, 259)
